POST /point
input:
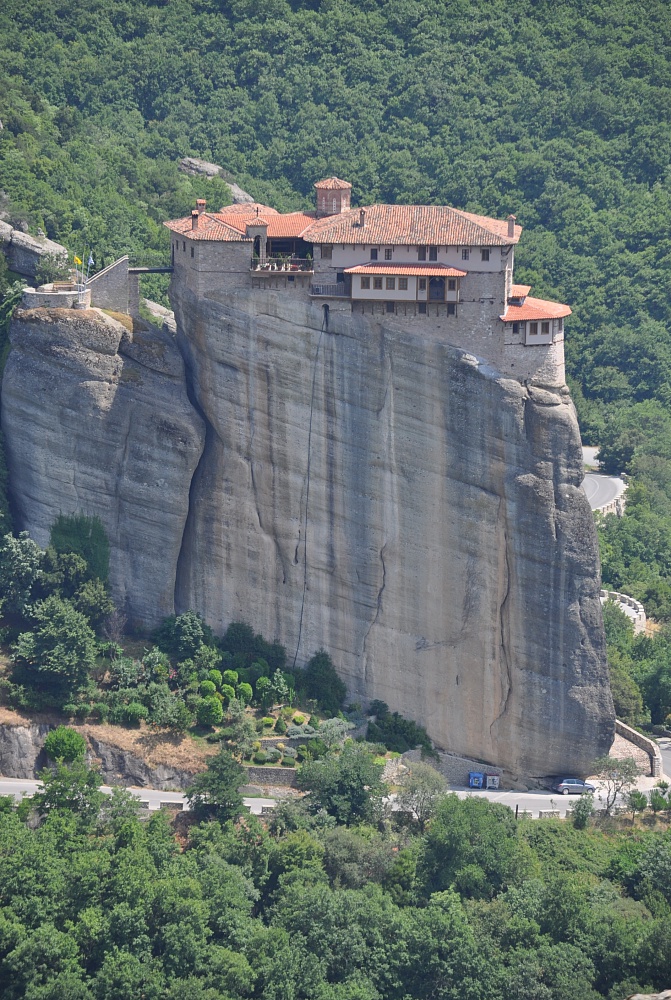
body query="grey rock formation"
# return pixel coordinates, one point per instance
(24, 251)
(98, 421)
(192, 165)
(21, 750)
(400, 503)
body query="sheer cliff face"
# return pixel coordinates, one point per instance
(393, 500)
(376, 493)
(96, 423)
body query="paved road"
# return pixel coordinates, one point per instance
(18, 787)
(601, 490)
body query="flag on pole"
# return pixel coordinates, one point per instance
(77, 260)
(90, 261)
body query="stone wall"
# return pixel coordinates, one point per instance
(109, 287)
(271, 775)
(454, 768)
(650, 747)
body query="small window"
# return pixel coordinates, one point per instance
(373, 253)
(545, 329)
(403, 284)
(377, 283)
(365, 282)
(465, 253)
(183, 246)
(516, 329)
(533, 329)
(391, 283)
(422, 284)
(421, 253)
(433, 253)
(389, 307)
(290, 277)
(560, 325)
(192, 251)
(451, 309)
(485, 253)
(327, 252)
(421, 307)
(388, 253)
(451, 284)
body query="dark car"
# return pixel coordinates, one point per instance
(572, 786)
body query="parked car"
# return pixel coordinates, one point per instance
(572, 786)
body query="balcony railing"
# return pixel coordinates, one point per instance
(338, 290)
(274, 264)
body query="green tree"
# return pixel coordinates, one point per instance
(617, 778)
(87, 537)
(321, 682)
(582, 810)
(70, 787)
(65, 745)
(348, 785)
(215, 791)
(636, 802)
(421, 788)
(57, 655)
(20, 570)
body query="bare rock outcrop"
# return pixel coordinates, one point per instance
(402, 504)
(98, 421)
(192, 165)
(24, 252)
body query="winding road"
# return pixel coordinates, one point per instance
(601, 490)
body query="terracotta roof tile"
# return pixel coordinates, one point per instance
(332, 184)
(519, 291)
(247, 208)
(412, 225)
(209, 228)
(535, 309)
(441, 270)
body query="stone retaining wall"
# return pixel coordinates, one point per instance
(271, 776)
(109, 287)
(454, 768)
(650, 747)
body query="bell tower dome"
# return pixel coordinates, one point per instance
(333, 196)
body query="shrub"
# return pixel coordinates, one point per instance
(230, 677)
(245, 693)
(274, 756)
(260, 757)
(100, 711)
(280, 726)
(216, 677)
(65, 744)
(298, 719)
(256, 745)
(209, 711)
(268, 721)
(288, 761)
(228, 692)
(134, 713)
(156, 664)
(207, 688)
(397, 733)
(125, 672)
(289, 752)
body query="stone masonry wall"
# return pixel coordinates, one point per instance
(109, 287)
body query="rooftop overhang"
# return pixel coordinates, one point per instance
(420, 270)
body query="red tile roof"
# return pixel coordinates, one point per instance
(519, 291)
(412, 225)
(440, 270)
(535, 309)
(332, 184)
(209, 228)
(247, 208)
(232, 226)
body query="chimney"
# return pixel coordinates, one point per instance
(194, 219)
(200, 205)
(511, 225)
(362, 217)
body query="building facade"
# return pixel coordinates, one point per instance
(434, 270)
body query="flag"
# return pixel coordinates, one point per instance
(77, 260)
(90, 261)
